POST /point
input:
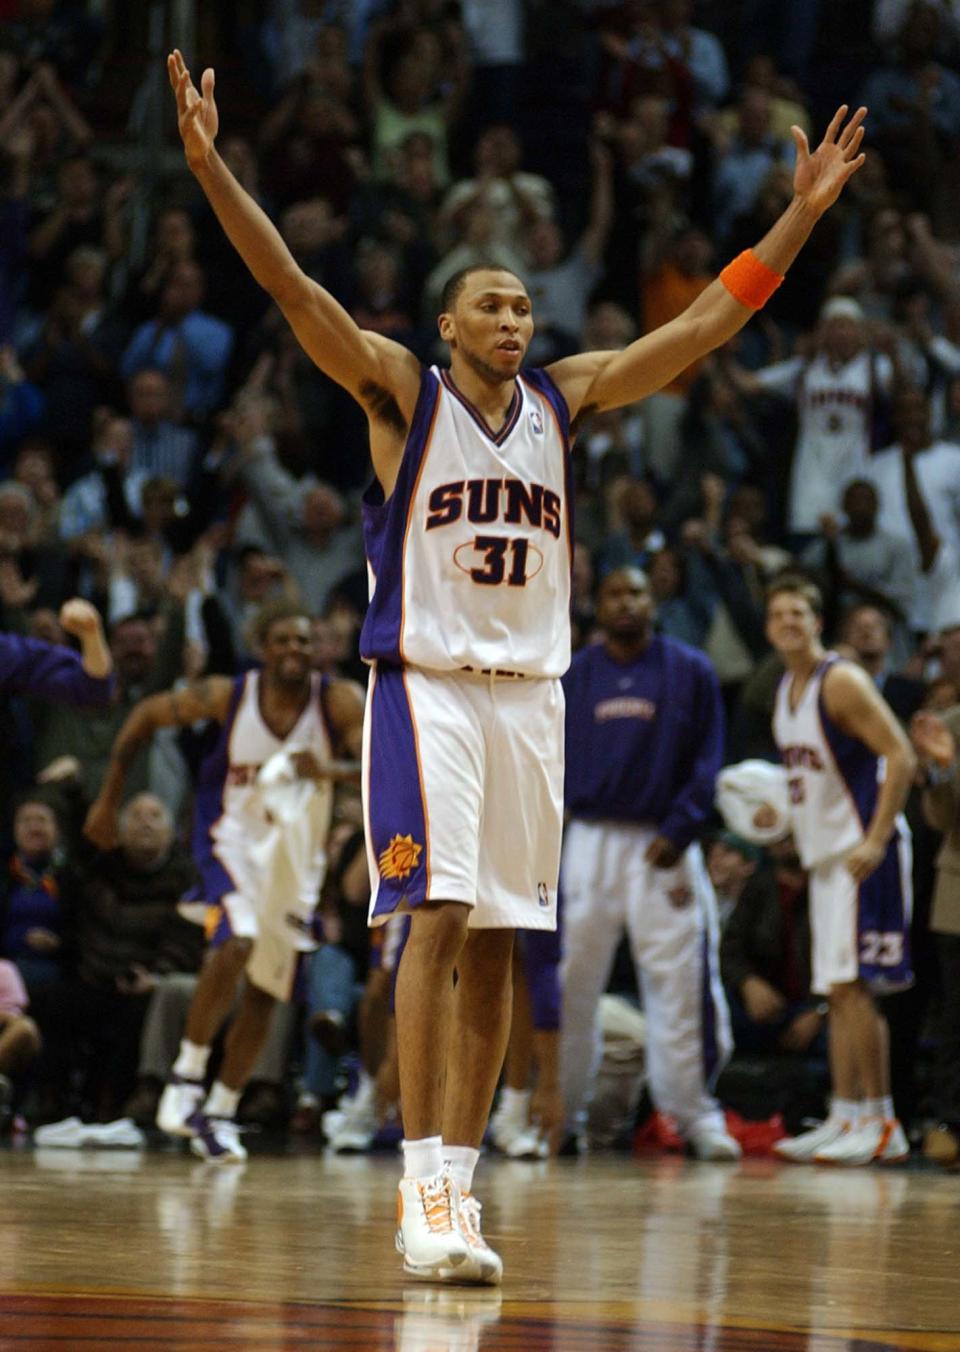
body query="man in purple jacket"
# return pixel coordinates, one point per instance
(44, 671)
(644, 743)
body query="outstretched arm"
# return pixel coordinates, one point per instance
(601, 380)
(381, 375)
(204, 699)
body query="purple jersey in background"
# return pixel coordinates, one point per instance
(44, 671)
(644, 739)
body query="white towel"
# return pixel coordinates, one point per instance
(752, 798)
(291, 857)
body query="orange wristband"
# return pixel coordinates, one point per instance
(749, 280)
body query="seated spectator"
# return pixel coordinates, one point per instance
(32, 571)
(37, 897)
(730, 861)
(35, 468)
(765, 961)
(128, 933)
(191, 347)
(19, 1036)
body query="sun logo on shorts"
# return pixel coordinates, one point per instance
(400, 857)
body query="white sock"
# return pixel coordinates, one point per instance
(423, 1158)
(462, 1160)
(365, 1090)
(221, 1101)
(879, 1107)
(514, 1103)
(191, 1062)
(847, 1110)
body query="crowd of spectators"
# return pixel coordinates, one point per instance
(168, 451)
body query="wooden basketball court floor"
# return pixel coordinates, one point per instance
(155, 1251)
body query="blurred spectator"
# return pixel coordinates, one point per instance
(674, 273)
(731, 861)
(867, 630)
(310, 137)
(173, 240)
(836, 390)
(303, 523)
(935, 741)
(191, 347)
(639, 538)
(21, 403)
(859, 561)
(83, 213)
(559, 284)
(421, 87)
(161, 445)
(684, 611)
(934, 466)
(38, 896)
(19, 1036)
(744, 162)
(496, 32)
(515, 200)
(915, 113)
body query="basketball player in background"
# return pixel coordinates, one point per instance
(645, 733)
(283, 707)
(849, 769)
(469, 540)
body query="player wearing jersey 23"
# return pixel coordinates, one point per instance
(849, 769)
(468, 540)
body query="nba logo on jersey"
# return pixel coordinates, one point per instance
(536, 421)
(543, 896)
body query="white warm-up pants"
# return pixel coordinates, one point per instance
(670, 917)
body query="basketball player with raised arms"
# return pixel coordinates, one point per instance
(259, 901)
(468, 537)
(849, 769)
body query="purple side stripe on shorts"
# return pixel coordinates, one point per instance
(399, 826)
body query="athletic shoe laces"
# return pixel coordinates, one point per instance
(436, 1198)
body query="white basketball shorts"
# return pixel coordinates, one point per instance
(463, 794)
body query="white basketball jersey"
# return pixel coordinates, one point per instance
(835, 406)
(230, 811)
(832, 778)
(470, 557)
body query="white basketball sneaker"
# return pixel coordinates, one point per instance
(428, 1228)
(216, 1139)
(802, 1149)
(713, 1142)
(178, 1103)
(875, 1138)
(483, 1265)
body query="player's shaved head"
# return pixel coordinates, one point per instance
(454, 286)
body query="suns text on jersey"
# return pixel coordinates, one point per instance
(802, 757)
(482, 501)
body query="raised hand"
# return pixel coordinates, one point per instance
(197, 116)
(932, 739)
(821, 175)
